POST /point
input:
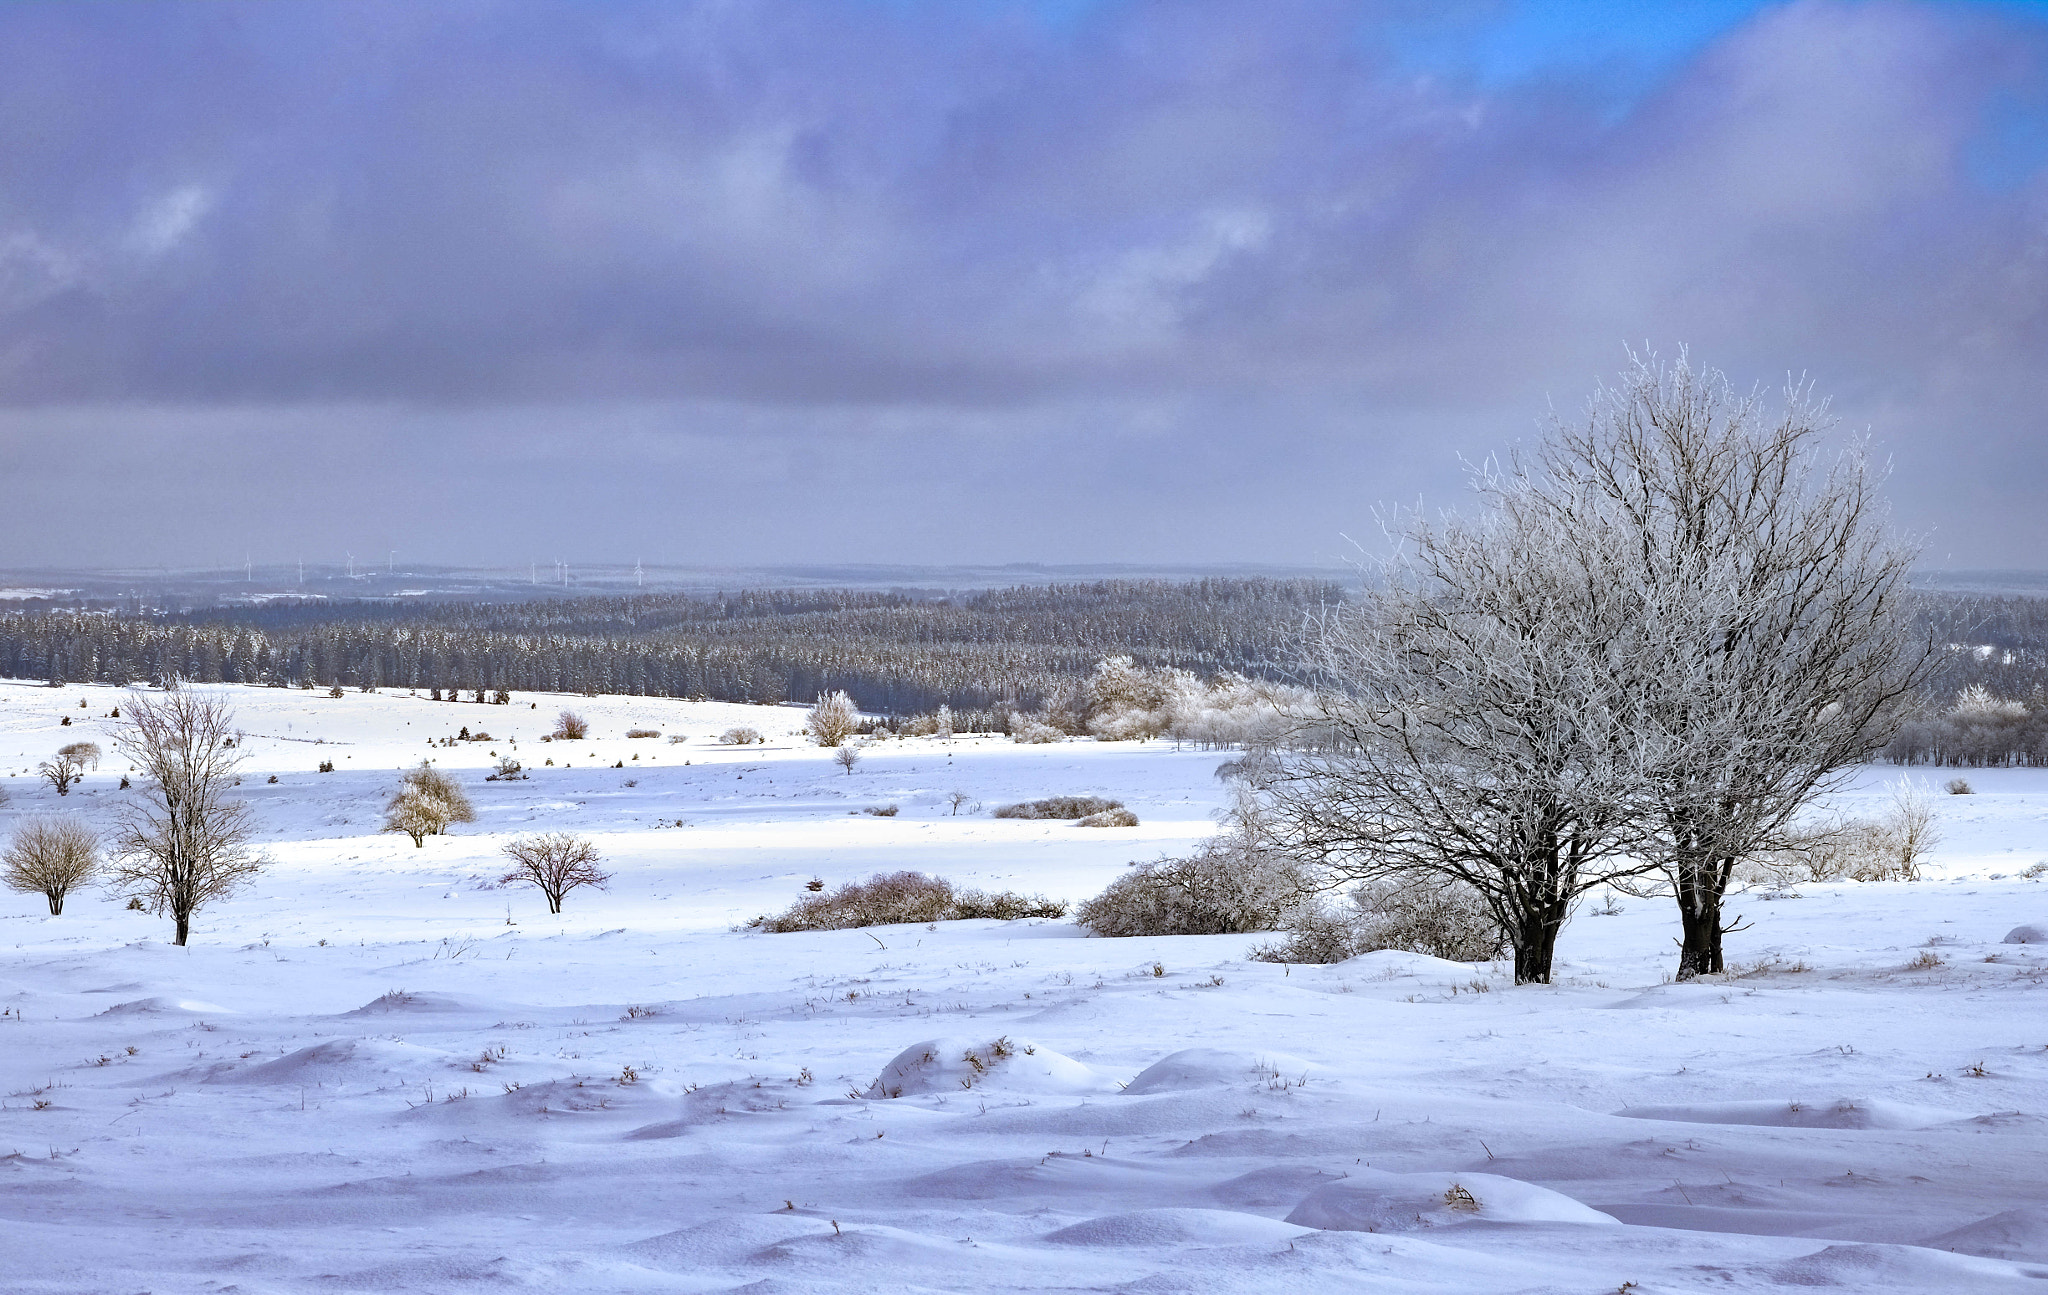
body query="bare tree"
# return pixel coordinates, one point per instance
(51, 855)
(1469, 724)
(832, 720)
(956, 799)
(426, 804)
(1785, 651)
(569, 726)
(556, 863)
(182, 843)
(60, 771)
(846, 757)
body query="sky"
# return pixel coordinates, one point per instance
(973, 281)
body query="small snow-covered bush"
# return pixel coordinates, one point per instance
(740, 737)
(1110, 818)
(889, 898)
(1032, 732)
(1227, 887)
(1059, 807)
(881, 811)
(643, 732)
(1424, 913)
(676, 739)
(1960, 787)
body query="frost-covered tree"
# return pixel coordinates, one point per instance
(426, 804)
(53, 856)
(832, 719)
(182, 843)
(1471, 724)
(1784, 649)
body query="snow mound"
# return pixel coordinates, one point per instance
(2031, 933)
(952, 1064)
(730, 1240)
(1842, 1113)
(399, 1001)
(341, 1061)
(1373, 1200)
(2015, 1234)
(1390, 964)
(162, 1006)
(1176, 1227)
(1211, 1068)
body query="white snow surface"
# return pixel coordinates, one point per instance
(379, 1069)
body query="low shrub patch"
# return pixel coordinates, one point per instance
(1059, 807)
(889, 898)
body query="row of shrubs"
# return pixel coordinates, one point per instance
(1233, 884)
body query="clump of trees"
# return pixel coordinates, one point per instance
(555, 863)
(1652, 646)
(50, 856)
(183, 842)
(427, 803)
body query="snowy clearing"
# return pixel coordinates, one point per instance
(378, 1069)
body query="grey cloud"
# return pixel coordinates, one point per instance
(1236, 253)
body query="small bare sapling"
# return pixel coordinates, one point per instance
(555, 863)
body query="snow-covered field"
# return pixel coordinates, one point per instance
(379, 1070)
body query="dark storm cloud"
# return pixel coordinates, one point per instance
(669, 243)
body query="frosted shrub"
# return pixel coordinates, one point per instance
(1227, 887)
(426, 804)
(643, 732)
(1059, 807)
(886, 899)
(1425, 913)
(569, 726)
(1889, 847)
(740, 737)
(832, 719)
(1110, 818)
(1034, 732)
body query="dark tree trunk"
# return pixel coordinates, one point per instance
(1535, 940)
(1701, 887)
(56, 898)
(184, 920)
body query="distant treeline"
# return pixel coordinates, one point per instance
(984, 654)
(987, 655)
